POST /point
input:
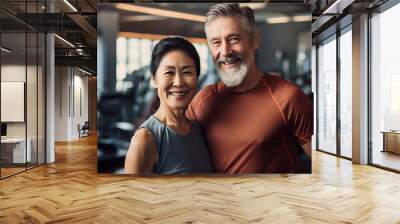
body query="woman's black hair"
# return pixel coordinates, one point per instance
(170, 44)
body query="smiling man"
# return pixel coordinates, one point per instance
(253, 122)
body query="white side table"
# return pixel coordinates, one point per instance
(18, 145)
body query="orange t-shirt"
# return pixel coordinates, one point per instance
(254, 131)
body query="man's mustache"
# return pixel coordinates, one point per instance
(229, 59)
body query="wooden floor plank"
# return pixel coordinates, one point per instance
(71, 191)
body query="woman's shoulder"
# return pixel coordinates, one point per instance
(153, 125)
(143, 139)
(143, 134)
(142, 153)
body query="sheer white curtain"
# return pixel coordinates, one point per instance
(346, 94)
(327, 96)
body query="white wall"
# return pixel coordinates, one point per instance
(61, 103)
(12, 101)
(70, 84)
(33, 126)
(11, 73)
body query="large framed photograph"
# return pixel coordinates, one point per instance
(201, 88)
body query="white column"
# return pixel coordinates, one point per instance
(314, 91)
(360, 90)
(107, 31)
(50, 99)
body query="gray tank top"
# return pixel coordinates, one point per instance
(179, 154)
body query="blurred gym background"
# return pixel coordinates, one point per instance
(127, 34)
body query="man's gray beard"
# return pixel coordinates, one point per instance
(234, 76)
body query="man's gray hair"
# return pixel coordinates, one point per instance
(232, 10)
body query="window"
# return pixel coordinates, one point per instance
(22, 65)
(345, 93)
(327, 96)
(385, 88)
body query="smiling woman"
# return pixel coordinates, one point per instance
(175, 80)
(167, 142)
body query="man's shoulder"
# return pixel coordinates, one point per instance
(206, 93)
(202, 101)
(280, 86)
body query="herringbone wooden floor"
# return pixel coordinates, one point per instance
(71, 191)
